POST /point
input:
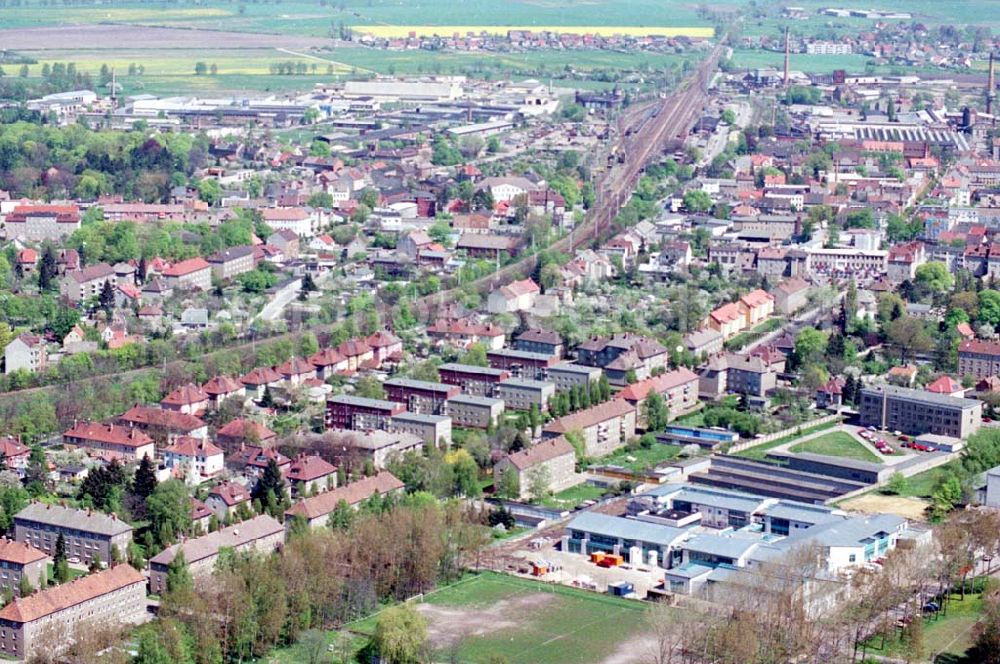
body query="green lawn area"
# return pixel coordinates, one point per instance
(760, 451)
(642, 458)
(573, 496)
(949, 635)
(922, 484)
(747, 336)
(524, 621)
(837, 444)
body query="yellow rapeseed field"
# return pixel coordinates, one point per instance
(395, 31)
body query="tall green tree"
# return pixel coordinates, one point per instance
(168, 510)
(60, 564)
(178, 575)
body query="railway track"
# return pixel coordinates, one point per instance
(644, 132)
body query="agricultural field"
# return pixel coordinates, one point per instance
(811, 64)
(301, 17)
(527, 622)
(837, 444)
(395, 31)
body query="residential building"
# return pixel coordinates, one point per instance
(296, 371)
(491, 247)
(704, 342)
(346, 411)
(112, 597)
(20, 560)
(567, 375)
(230, 263)
(918, 411)
(537, 340)
(420, 396)
(605, 427)
(465, 333)
(251, 461)
(261, 534)
(379, 447)
(115, 440)
(432, 429)
(309, 473)
(554, 458)
(475, 412)
(304, 222)
(194, 459)
(37, 223)
(26, 352)
(328, 362)
(621, 355)
(163, 426)
(728, 320)
(316, 510)
(524, 393)
(791, 295)
(242, 431)
(224, 499)
(385, 346)
(472, 379)
(730, 373)
(757, 306)
(521, 363)
(287, 241)
(86, 533)
(15, 454)
(189, 399)
(221, 388)
(81, 285)
(258, 380)
(978, 358)
(515, 296)
(193, 273)
(679, 389)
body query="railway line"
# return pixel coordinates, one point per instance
(644, 132)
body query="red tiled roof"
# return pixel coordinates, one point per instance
(185, 395)
(192, 447)
(328, 357)
(12, 448)
(20, 553)
(591, 416)
(251, 455)
(306, 468)
(542, 452)
(169, 419)
(108, 433)
(65, 214)
(353, 348)
(184, 268)
(757, 298)
(230, 493)
(980, 346)
(944, 385)
(247, 429)
(83, 589)
(261, 376)
(222, 385)
(662, 383)
(352, 493)
(726, 313)
(296, 366)
(381, 339)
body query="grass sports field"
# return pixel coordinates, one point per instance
(528, 622)
(837, 444)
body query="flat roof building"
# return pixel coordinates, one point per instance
(475, 412)
(918, 411)
(346, 411)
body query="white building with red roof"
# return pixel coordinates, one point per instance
(221, 388)
(190, 273)
(189, 399)
(296, 370)
(117, 440)
(679, 389)
(244, 432)
(15, 454)
(225, 498)
(259, 379)
(328, 362)
(37, 223)
(193, 459)
(357, 352)
(385, 346)
(310, 473)
(515, 296)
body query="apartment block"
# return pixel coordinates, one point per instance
(918, 412)
(475, 412)
(567, 375)
(420, 396)
(478, 381)
(523, 393)
(346, 411)
(86, 533)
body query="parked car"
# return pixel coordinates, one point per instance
(932, 607)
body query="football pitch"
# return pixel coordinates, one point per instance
(528, 622)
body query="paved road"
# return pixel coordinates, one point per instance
(279, 301)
